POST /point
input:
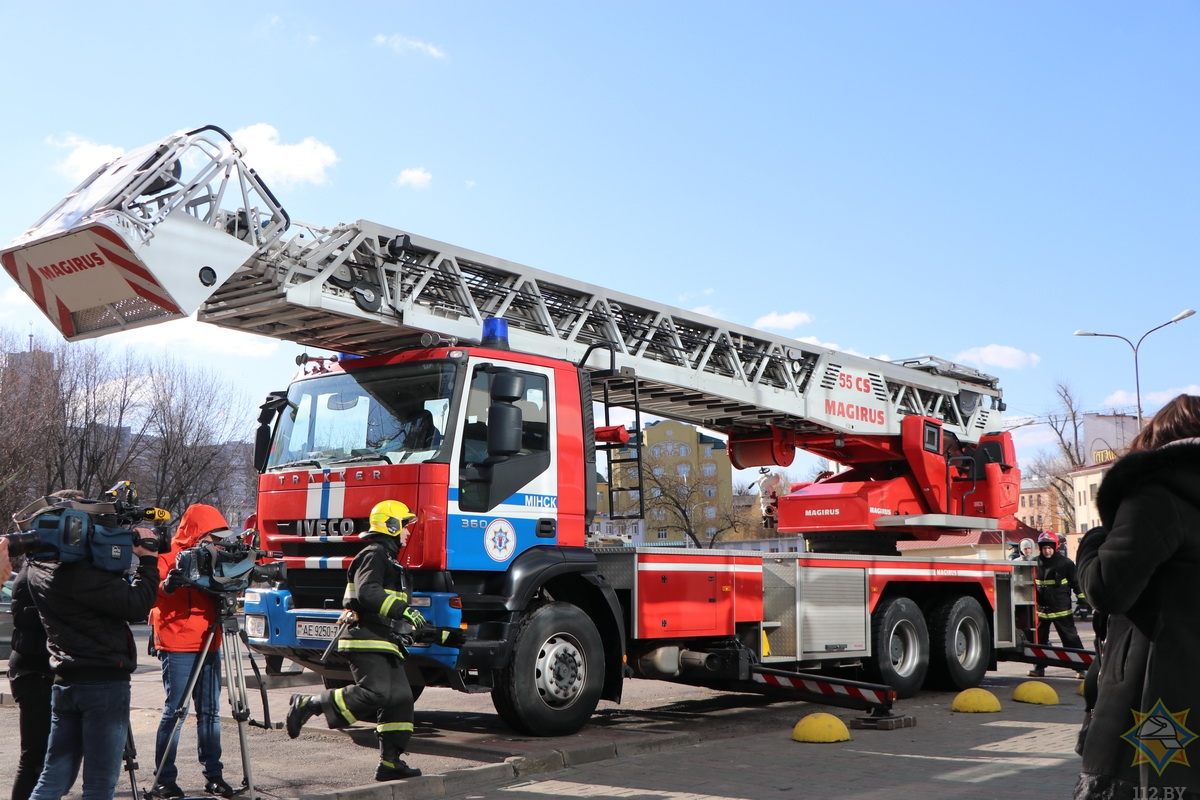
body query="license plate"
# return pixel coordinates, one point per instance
(312, 629)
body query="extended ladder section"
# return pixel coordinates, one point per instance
(366, 288)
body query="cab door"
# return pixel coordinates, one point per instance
(500, 506)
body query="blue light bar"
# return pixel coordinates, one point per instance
(495, 333)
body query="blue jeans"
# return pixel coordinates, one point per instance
(176, 671)
(89, 722)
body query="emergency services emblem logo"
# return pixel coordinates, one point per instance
(500, 539)
(1159, 737)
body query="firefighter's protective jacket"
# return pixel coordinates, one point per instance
(1055, 585)
(376, 590)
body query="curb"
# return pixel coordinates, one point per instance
(459, 781)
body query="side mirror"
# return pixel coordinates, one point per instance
(262, 446)
(507, 387)
(504, 418)
(276, 402)
(504, 430)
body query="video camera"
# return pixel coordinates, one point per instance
(96, 531)
(225, 567)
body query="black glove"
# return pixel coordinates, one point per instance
(174, 581)
(449, 637)
(1082, 607)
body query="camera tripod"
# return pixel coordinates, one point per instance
(235, 681)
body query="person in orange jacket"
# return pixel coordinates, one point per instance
(181, 620)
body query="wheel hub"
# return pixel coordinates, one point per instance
(903, 648)
(559, 671)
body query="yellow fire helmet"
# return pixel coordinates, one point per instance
(390, 517)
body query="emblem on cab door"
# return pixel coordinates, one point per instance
(500, 539)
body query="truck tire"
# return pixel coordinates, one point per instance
(900, 646)
(554, 678)
(960, 644)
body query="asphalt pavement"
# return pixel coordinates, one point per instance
(664, 742)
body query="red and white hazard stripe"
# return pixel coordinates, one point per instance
(828, 688)
(1066, 657)
(137, 276)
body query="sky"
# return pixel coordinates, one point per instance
(973, 181)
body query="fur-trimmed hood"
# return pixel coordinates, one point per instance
(1175, 466)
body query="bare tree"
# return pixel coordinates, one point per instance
(688, 503)
(194, 418)
(1067, 425)
(1056, 466)
(101, 428)
(29, 406)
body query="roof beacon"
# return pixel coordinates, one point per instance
(495, 333)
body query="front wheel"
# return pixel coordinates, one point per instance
(960, 644)
(553, 680)
(900, 642)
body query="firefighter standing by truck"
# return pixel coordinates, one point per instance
(376, 603)
(1055, 584)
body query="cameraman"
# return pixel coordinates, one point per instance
(180, 621)
(29, 677)
(86, 611)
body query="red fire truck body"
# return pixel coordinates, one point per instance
(489, 431)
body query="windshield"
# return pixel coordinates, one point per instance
(393, 414)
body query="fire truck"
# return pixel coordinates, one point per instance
(481, 393)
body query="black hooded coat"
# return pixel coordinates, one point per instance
(1143, 569)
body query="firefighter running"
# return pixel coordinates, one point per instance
(376, 603)
(1055, 585)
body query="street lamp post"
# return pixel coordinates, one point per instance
(1137, 380)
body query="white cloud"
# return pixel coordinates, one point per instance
(832, 346)
(191, 336)
(708, 311)
(84, 157)
(786, 322)
(470, 184)
(416, 177)
(13, 296)
(284, 164)
(1150, 400)
(403, 44)
(1031, 440)
(999, 355)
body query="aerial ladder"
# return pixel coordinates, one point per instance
(184, 225)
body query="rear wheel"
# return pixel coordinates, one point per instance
(900, 646)
(960, 644)
(554, 678)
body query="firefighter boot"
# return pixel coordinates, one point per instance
(302, 708)
(391, 768)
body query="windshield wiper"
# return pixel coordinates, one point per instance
(363, 457)
(292, 464)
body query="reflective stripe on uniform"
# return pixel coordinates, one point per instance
(340, 702)
(1053, 614)
(392, 598)
(369, 646)
(389, 727)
